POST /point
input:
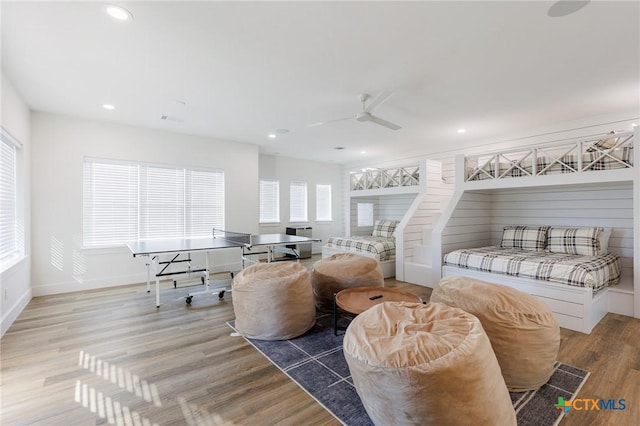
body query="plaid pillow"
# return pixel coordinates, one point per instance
(583, 241)
(603, 144)
(384, 228)
(531, 238)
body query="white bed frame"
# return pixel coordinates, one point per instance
(576, 308)
(388, 266)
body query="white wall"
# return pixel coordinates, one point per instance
(15, 282)
(60, 143)
(285, 170)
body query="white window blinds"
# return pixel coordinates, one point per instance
(205, 201)
(110, 203)
(126, 201)
(269, 201)
(162, 202)
(9, 246)
(298, 202)
(365, 214)
(323, 202)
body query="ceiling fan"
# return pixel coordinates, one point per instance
(365, 114)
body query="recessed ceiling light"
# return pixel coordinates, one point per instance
(119, 13)
(635, 125)
(272, 135)
(109, 107)
(363, 152)
(462, 130)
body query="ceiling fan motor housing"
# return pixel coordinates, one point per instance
(363, 116)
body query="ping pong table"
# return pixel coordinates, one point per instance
(163, 254)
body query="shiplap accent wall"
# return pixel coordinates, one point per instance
(470, 223)
(386, 207)
(393, 207)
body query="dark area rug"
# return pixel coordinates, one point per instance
(316, 363)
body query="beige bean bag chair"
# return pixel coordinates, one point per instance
(273, 301)
(340, 271)
(523, 331)
(426, 365)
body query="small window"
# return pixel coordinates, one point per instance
(323, 203)
(298, 202)
(269, 201)
(11, 237)
(365, 214)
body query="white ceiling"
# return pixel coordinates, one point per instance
(245, 69)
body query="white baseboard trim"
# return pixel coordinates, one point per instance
(9, 317)
(72, 286)
(141, 278)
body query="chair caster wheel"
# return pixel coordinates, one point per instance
(188, 300)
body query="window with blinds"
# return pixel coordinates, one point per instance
(9, 241)
(269, 201)
(323, 202)
(298, 202)
(365, 214)
(127, 201)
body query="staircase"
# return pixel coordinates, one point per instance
(417, 265)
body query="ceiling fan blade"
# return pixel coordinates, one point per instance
(377, 101)
(384, 123)
(322, 123)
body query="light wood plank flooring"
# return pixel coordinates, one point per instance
(110, 357)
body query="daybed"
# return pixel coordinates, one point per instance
(567, 266)
(380, 245)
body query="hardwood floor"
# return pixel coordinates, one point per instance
(110, 357)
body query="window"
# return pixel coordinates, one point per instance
(323, 202)
(269, 201)
(127, 201)
(365, 214)
(10, 243)
(110, 203)
(298, 202)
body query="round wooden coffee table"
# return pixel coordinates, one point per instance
(358, 299)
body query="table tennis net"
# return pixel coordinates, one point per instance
(239, 238)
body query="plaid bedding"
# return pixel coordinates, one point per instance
(596, 272)
(524, 237)
(591, 160)
(385, 248)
